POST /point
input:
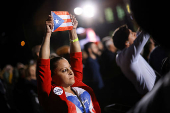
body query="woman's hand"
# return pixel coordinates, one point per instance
(49, 24)
(74, 46)
(74, 21)
(45, 47)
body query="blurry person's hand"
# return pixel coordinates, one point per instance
(74, 21)
(49, 24)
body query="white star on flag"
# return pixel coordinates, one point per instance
(56, 21)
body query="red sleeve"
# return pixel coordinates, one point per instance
(43, 79)
(76, 64)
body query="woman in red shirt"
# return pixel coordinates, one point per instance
(60, 86)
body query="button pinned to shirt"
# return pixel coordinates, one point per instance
(58, 91)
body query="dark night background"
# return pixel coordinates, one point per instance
(24, 21)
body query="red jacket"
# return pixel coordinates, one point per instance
(50, 101)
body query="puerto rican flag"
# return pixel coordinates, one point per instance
(62, 21)
(74, 102)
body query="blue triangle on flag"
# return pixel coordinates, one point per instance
(57, 20)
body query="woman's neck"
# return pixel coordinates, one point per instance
(68, 89)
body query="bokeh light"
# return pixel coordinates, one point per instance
(88, 11)
(22, 43)
(78, 10)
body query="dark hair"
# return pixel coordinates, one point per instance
(120, 36)
(87, 46)
(53, 65)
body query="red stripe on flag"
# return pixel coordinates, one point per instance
(72, 107)
(67, 20)
(64, 28)
(61, 12)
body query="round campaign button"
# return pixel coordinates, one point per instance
(58, 91)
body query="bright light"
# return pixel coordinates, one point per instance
(128, 8)
(22, 43)
(80, 30)
(78, 11)
(88, 11)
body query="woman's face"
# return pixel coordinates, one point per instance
(63, 74)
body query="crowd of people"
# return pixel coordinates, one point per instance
(125, 72)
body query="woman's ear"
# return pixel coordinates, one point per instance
(127, 44)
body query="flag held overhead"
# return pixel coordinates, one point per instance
(62, 21)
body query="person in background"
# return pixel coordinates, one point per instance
(92, 68)
(108, 64)
(52, 55)
(17, 71)
(165, 66)
(156, 58)
(36, 51)
(5, 107)
(8, 77)
(132, 64)
(157, 100)
(64, 51)
(8, 74)
(100, 48)
(25, 92)
(60, 86)
(31, 73)
(148, 48)
(85, 56)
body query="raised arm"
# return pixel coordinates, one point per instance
(136, 48)
(75, 51)
(74, 44)
(43, 66)
(45, 47)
